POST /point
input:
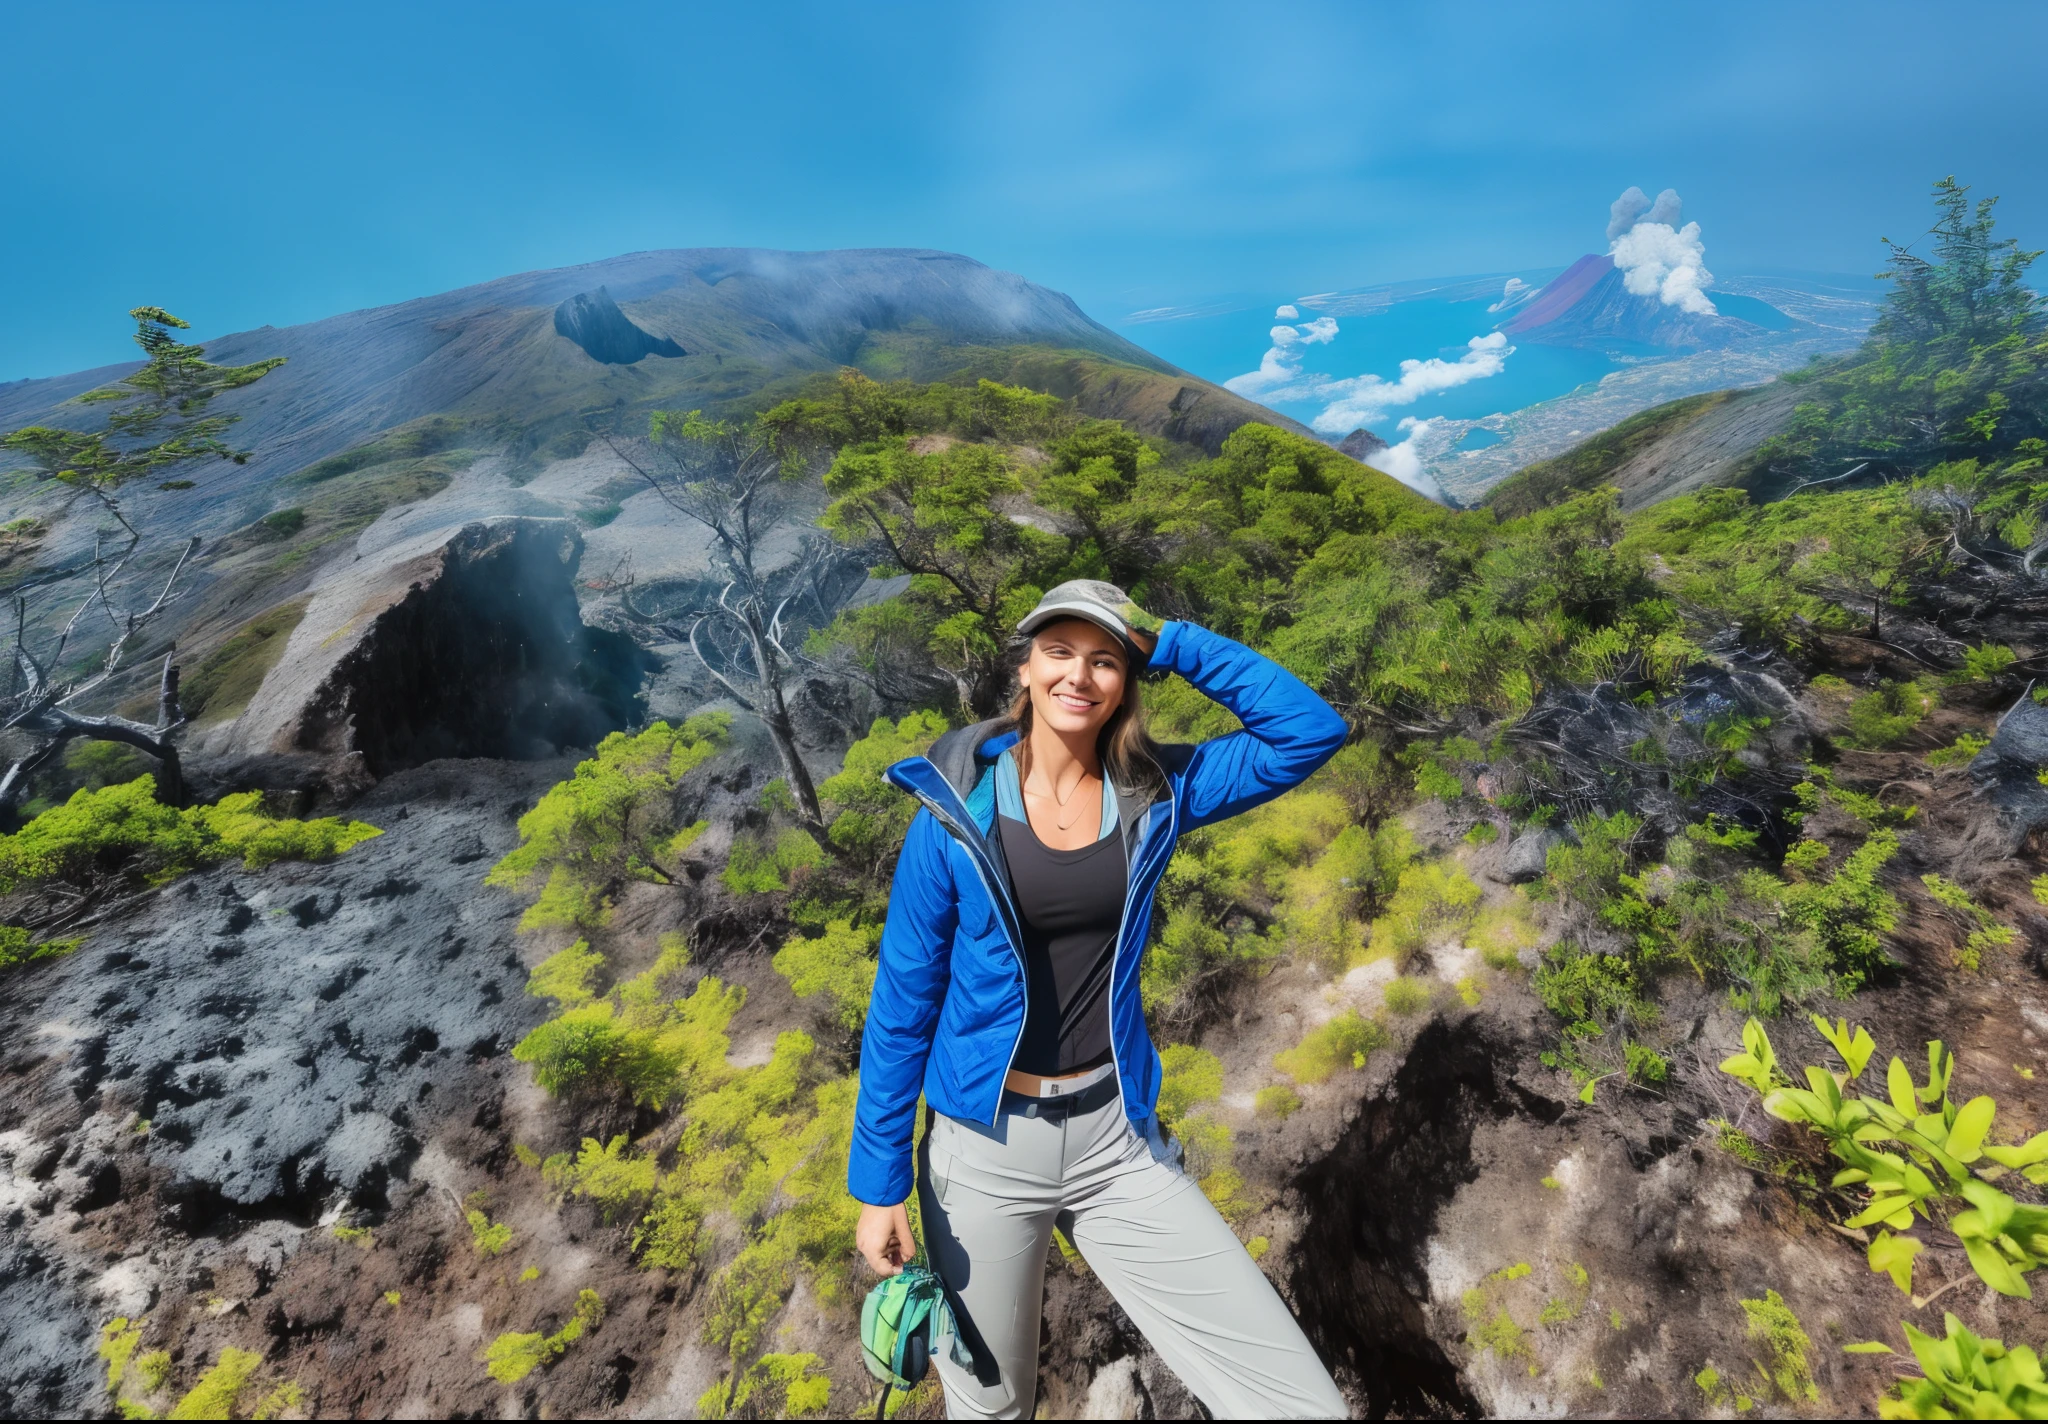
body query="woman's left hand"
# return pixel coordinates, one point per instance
(1144, 627)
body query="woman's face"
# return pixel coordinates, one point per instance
(1075, 675)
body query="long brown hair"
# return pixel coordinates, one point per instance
(1129, 755)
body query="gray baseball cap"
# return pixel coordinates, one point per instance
(1103, 604)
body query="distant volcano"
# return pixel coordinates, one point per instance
(1587, 304)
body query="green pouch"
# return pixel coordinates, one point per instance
(900, 1321)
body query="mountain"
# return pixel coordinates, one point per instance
(1588, 304)
(532, 354)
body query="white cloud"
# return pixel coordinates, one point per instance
(1656, 261)
(1404, 461)
(1288, 312)
(1281, 365)
(1515, 287)
(1361, 400)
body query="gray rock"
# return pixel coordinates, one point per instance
(1527, 853)
(2007, 772)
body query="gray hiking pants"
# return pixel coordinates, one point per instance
(990, 1197)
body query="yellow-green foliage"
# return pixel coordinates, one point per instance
(1917, 1154)
(1321, 904)
(219, 1389)
(756, 868)
(1189, 1076)
(609, 1175)
(2040, 888)
(152, 1369)
(1209, 1151)
(1432, 902)
(118, 1339)
(1489, 1325)
(1960, 752)
(1885, 716)
(126, 827)
(1344, 1042)
(1773, 1326)
(565, 976)
(1259, 848)
(1407, 996)
(1983, 931)
(1965, 1377)
(1276, 1100)
(361, 1236)
(633, 1040)
(1501, 932)
(873, 815)
(596, 826)
(286, 1397)
(18, 946)
(840, 963)
(777, 1387)
(513, 1356)
(490, 1238)
(1564, 1308)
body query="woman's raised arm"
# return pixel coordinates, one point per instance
(1288, 730)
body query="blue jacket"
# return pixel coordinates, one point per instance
(948, 1006)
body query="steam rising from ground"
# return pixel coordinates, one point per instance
(1658, 258)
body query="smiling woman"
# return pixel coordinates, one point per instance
(1007, 996)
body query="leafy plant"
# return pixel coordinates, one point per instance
(1932, 1168)
(1406, 996)
(1964, 1376)
(512, 1356)
(1346, 1041)
(1982, 930)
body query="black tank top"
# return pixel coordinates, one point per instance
(1071, 902)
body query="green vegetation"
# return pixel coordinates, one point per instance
(776, 1387)
(1346, 1041)
(1785, 1368)
(122, 835)
(1407, 996)
(1964, 1376)
(220, 685)
(512, 1357)
(1981, 930)
(610, 822)
(1933, 1169)
(220, 1389)
(490, 1238)
(1585, 466)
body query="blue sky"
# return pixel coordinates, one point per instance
(277, 163)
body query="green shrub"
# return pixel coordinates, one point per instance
(773, 1387)
(1961, 752)
(1982, 930)
(613, 1177)
(565, 976)
(1985, 663)
(840, 964)
(1276, 1100)
(612, 819)
(1407, 996)
(490, 1238)
(755, 868)
(1432, 902)
(1346, 1041)
(1588, 991)
(512, 1357)
(125, 829)
(219, 1389)
(1501, 932)
(873, 815)
(1189, 1076)
(18, 946)
(1888, 715)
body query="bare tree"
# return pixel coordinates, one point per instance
(742, 482)
(161, 423)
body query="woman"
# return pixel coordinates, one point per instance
(1008, 995)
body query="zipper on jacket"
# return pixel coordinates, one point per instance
(1000, 896)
